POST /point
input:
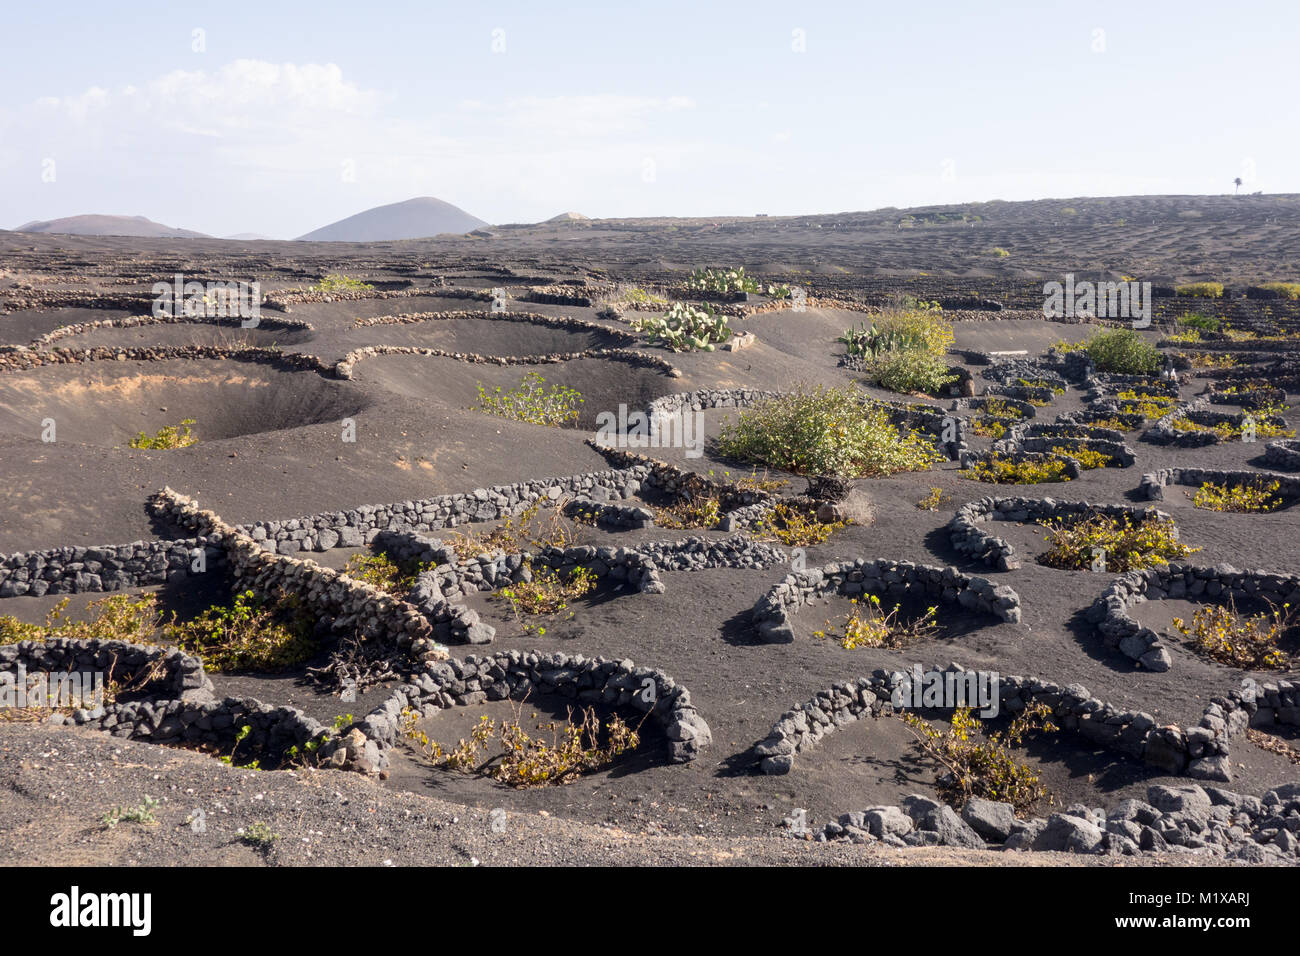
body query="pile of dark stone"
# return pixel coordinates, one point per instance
(1284, 453)
(344, 367)
(357, 527)
(1183, 819)
(72, 570)
(136, 321)
(20, 358)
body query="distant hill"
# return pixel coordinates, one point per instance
(570, 217)
(247, 236)
(94, 225)
(412, 219)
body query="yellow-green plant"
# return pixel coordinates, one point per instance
(868, 624)
(531, 529)
(1286, 290)
(576, 747)
(336, 282)
(1146, 404)
(981, 764)
(795, 526)
(934, 500)
(1249, 497)
(547, 593)
(122, 617)
(1009, 471)
(825, 431)
(530, 402)
(1249, 642)
(1201, 290)
(699, 511)
(383, 572)
(169, 436)
(248, 635)
(1129, 545)
(1088, 458)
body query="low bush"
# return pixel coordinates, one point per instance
(1088, 458)
(1286, 290)
(1025, 471)
(869, 625)
(547, 592)
(794, 526)
(169, 436)
(822, 430)
(985, 767)
(1123, 352)
(700, 511)
(122, 617)
(1128, 545)
(920, 327)
(252, 634)
(1252, 497)
(1199, 321)
(381, 571)
(935, 499)
(910, 372)
(335, 282)
(532, 529)
(1146, 404)
(1200, 290)
(575, 748)
(1249, 642)
(531, 402)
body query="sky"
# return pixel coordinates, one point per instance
(278, 118)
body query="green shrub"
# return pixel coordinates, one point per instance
(1201, 290)
(977, 762)
(122, 617)
(1129, 545)
(684, 328)
(335, 282)
(247, 636)
(169, 436)
(912, 371)
(1287, 290)
(1000, 253)
(1199, 321)
(722, 281)
(1252, 497)
(1123, 352)
(530, 402)
(381, 571)
(1249, 642)
(825, 431)
(998, 470)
